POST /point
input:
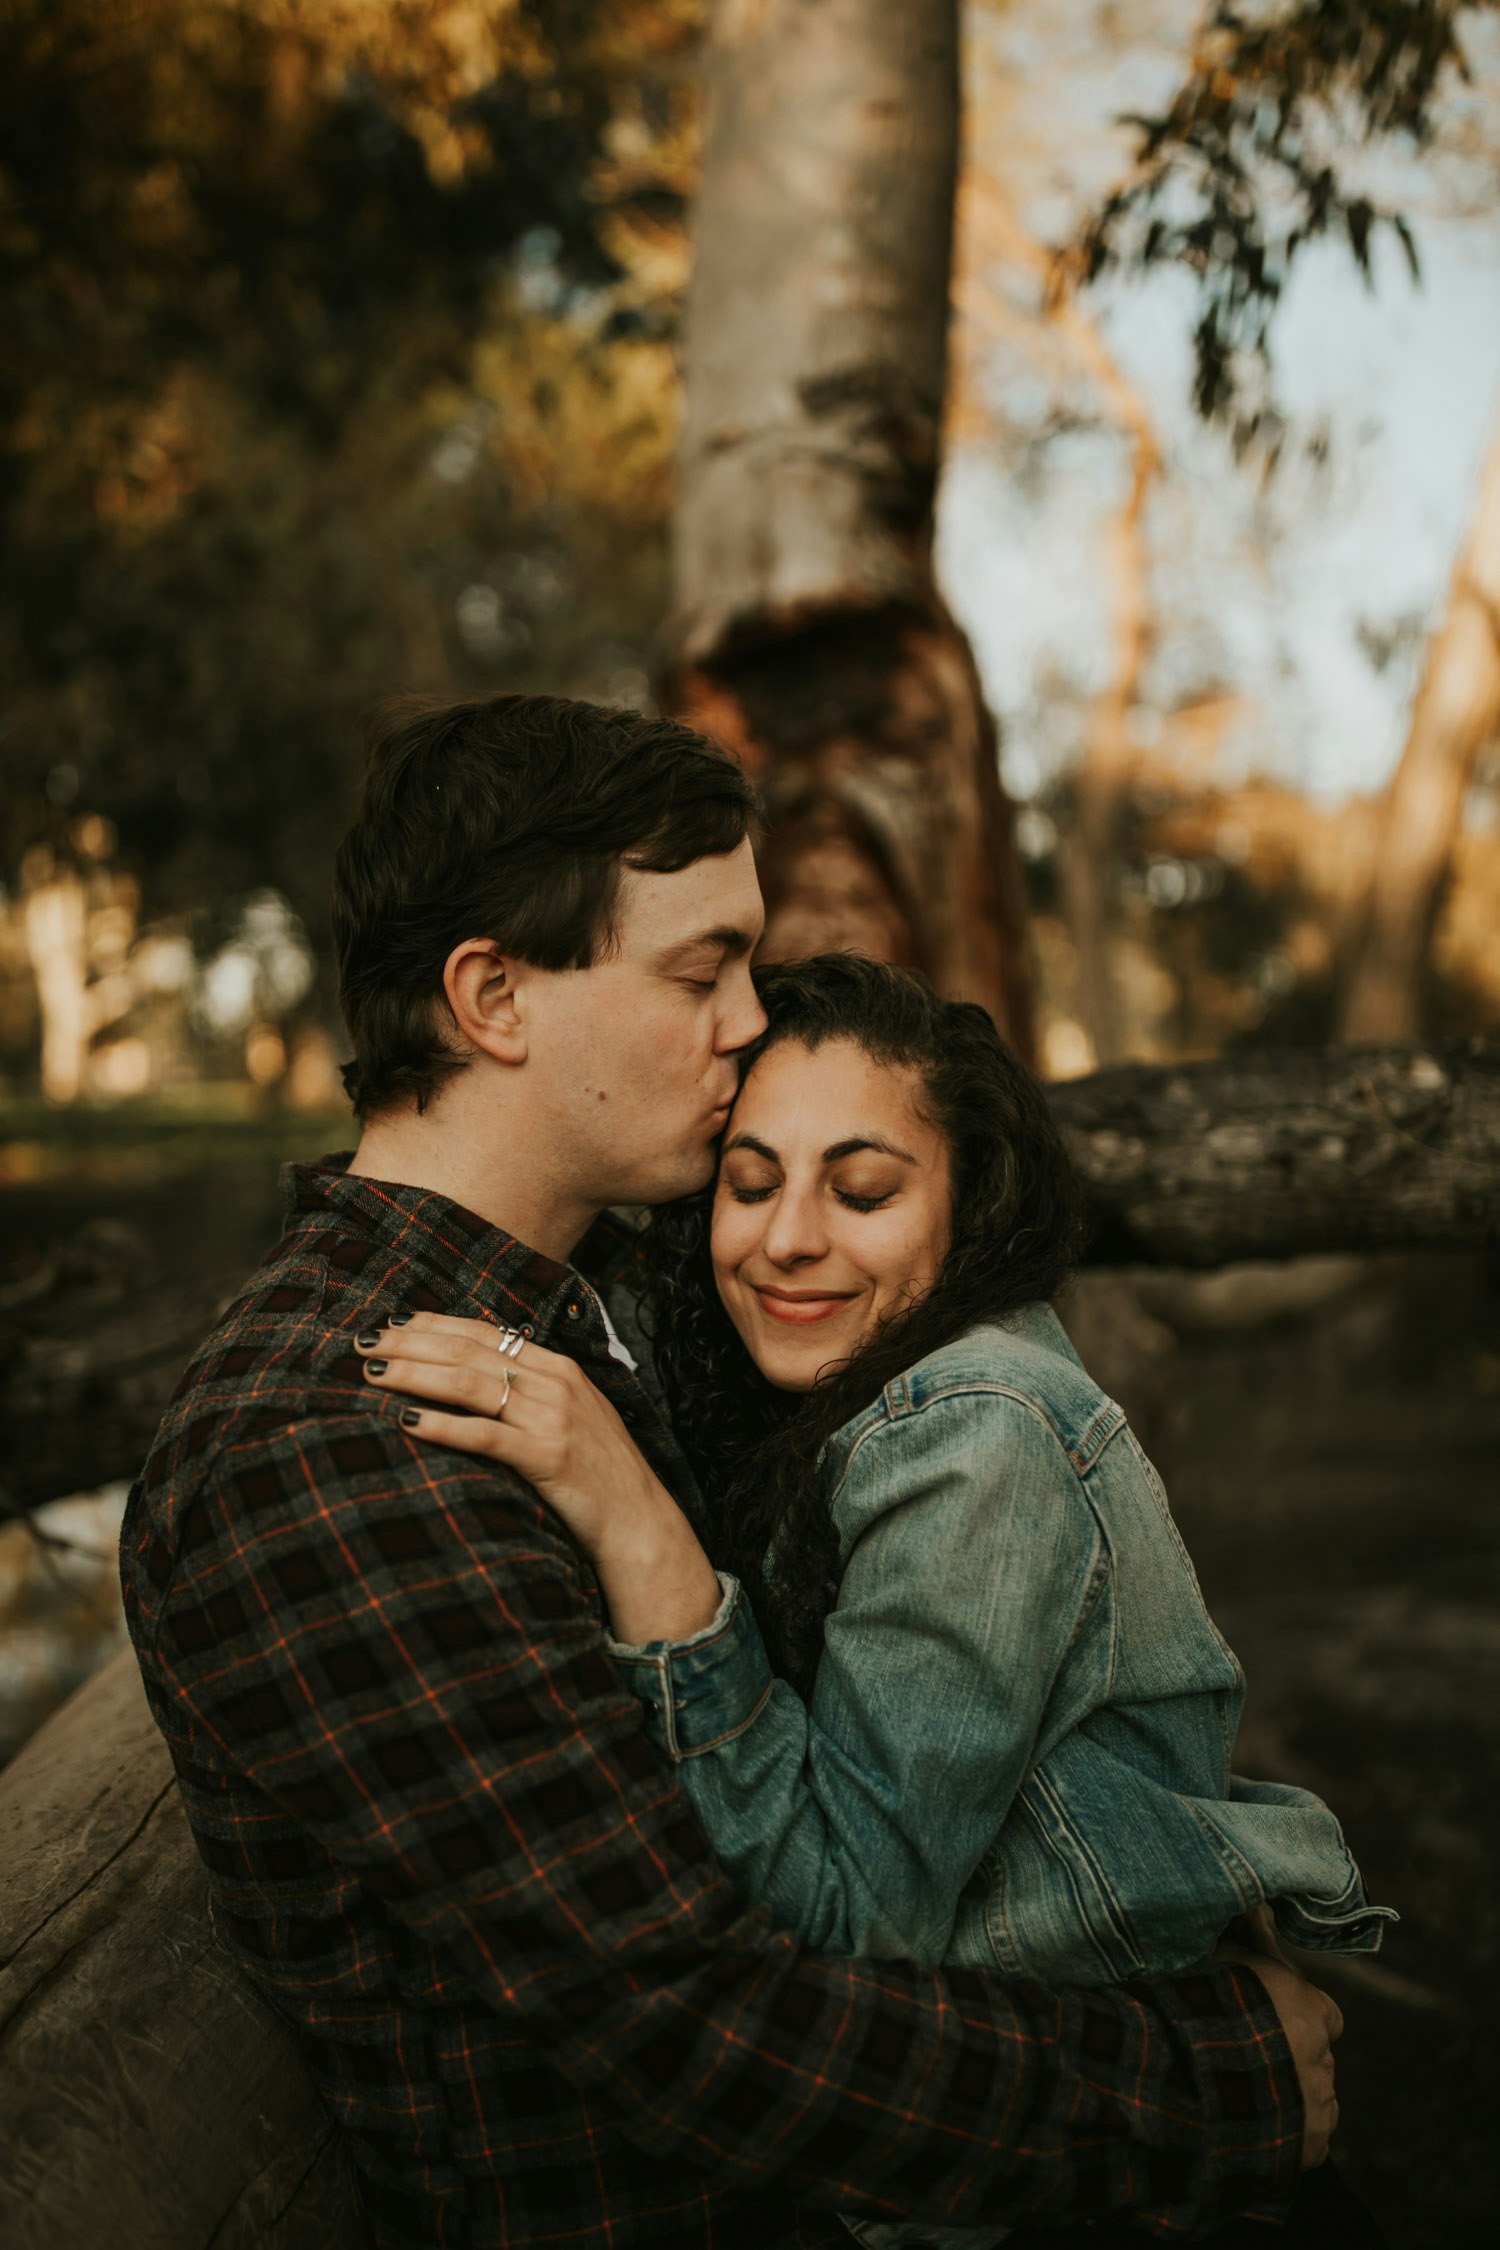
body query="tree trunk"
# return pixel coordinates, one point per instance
(1288, 1155)
(808, 633)
(1455, 716)
(1103, 773)
(154, 2102)
(56, 924)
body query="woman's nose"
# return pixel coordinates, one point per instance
(795, 1230)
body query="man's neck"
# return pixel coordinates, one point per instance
(440, 1154)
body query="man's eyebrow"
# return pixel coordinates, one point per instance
(728, 938)
(863, 1141)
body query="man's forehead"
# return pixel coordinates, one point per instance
(714, 897)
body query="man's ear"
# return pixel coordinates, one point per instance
(481, 987)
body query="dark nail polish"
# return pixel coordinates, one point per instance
(398, 1319)
(410, 1417)
(368, 1341)
(376, 1366)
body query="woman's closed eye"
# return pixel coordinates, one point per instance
(853, 1202)
(750, 1187)
(760, 1191)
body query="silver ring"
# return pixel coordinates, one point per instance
(510, 1344)
(504, 1396)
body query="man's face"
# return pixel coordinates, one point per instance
(630, 1063)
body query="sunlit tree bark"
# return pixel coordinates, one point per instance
(1456, 714)
(993, 236)
(55, 917)
(1103, 773)
(808, 631)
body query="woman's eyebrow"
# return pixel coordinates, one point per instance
(756, 1148)
(830, 1155)
(853, 1148)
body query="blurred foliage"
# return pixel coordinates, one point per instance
(1230, 910)
(335, 362)
(1261, 151)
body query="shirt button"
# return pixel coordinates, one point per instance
(528, 1330)
(575, 1310)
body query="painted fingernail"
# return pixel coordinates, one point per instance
(397, 1319)
(376, 1366)
(368, 1341)
(409, 1417)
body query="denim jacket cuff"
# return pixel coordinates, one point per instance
(701, 1692)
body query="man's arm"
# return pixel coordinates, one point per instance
(427, 1693)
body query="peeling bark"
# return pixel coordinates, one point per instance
(868, 734)
(1104, 770)
(1455, 716)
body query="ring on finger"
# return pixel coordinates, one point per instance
(510, 1343)
(504, 1395)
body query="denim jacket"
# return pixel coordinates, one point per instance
(1017, 1748)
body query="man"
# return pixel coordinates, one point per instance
(441, 1843)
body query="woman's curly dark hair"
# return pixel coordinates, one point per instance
(1015, 1236)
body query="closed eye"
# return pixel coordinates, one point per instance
(751, 1195)
(863, 1202)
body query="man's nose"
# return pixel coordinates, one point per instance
(744, 1021)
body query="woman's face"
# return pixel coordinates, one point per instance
(832, 1206)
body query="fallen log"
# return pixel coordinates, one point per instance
(92, 1341)
(152, 2100)
(1249, 1156)
(1362, 1149)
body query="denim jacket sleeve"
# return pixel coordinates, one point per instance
(971, 1558)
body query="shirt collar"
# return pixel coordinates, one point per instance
(460, 1256)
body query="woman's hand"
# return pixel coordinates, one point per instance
(540, 1415)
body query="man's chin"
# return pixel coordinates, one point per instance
(693, 1171)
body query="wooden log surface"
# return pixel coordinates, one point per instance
(1253, 1156)
(151, 2101)
(1297, 1154)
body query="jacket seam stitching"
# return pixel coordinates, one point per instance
(681, 1753)
(1038, 1413)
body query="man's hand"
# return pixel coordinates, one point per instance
(1311, 2022)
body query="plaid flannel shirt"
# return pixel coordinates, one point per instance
(442, 1846)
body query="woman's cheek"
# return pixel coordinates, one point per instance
(906, 1259)
(731, 1240)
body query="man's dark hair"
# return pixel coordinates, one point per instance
(507, 819)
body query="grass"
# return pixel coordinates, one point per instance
(197, 1129)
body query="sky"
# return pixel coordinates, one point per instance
(1300, 604)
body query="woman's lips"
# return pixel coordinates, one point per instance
(800, 1310)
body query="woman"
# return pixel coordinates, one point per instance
(977, 1712)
